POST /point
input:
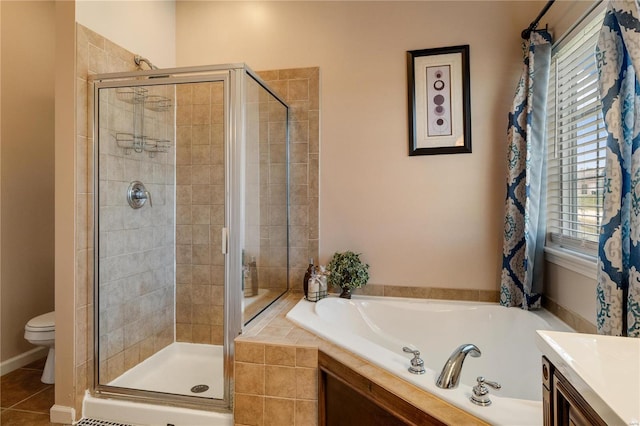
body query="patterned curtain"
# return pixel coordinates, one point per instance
(618, 288)
(524, 221)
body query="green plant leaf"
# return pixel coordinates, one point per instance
(347, 270)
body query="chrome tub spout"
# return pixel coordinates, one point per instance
(450, 375)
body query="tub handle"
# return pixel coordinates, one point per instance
(480, 394)
(417, 364)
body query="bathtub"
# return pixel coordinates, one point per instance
(377, 328)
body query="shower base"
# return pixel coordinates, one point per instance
(175, 369)
(180, 368)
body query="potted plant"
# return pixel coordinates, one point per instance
(347, 271)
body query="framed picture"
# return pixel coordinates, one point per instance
(439, 105)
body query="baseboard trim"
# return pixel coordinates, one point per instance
(62, 415)
(21, 360)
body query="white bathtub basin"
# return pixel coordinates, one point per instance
(376, 329)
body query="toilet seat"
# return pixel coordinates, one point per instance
(41, 331)
(42, 323)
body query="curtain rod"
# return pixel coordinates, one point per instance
(527, 32)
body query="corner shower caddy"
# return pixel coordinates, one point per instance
(137, 141)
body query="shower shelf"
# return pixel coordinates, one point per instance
(140, 95)
(137, 141)
(156, 145)
(130, 142)
(132, 95)
(157, 103)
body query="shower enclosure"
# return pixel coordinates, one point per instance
(191, 227)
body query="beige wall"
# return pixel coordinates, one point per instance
(146, 28)
(27, 168)
(299, 88)
(432, 221)
(65, 209)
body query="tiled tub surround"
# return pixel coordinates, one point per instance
(276, 374)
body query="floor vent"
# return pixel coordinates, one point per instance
(94, 422)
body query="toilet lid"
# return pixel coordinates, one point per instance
(44, 322)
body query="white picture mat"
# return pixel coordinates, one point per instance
(422, 140)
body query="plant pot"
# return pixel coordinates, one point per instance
(346, 293)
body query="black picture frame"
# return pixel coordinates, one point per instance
(439, 119)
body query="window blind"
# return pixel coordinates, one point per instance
(577, 144)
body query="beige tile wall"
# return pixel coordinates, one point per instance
(200, 213)
(299, 87)
(256, 200)
(429, 292)
(94, 55)
(136, 245)
(265, 243)
(266, 189)
(129, 334)
(276, 371)
(275, 384)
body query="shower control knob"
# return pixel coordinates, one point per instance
(137, 195)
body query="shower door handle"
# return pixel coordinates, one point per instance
(225, 240)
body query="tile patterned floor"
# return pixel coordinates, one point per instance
(24, 399)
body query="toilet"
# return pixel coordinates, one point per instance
(41, 331)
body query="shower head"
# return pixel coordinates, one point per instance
(139, 59)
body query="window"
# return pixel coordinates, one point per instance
(577, 141)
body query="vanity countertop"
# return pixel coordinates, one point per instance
(604, 369)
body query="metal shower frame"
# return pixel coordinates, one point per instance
(234, 78)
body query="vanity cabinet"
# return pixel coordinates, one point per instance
(562, 403)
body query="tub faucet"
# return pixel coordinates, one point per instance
(450, 375)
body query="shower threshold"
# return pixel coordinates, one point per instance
(190, 369)
(122, 412)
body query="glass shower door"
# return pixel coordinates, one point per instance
(160, 220)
